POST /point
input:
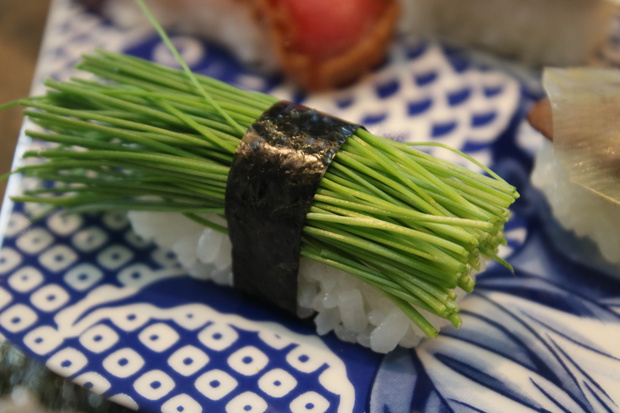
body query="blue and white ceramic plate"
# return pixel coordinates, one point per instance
(117, 315)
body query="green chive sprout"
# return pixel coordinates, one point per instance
(153, 138)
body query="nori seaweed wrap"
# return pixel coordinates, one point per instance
(274, 175)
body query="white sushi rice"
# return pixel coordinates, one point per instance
(354, 311)
(576, 208)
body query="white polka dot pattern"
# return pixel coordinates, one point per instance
(215, 384)
(99, 338)
(114, 257)
(130, 321)
(5, 297)
(64, 224)
(67, 361)
(218, 336)
(17, 223)
(248, 361)
(275, 340)
(25, 279)
(58, 258)
(17, 318)
(9, 259)
(115, 220)
(43, 340)
(93, 381)
(190, 317)
(247, 402)
(181, 403)
(83, 277)
(35, 240)
(123, 363)
(158, 337)
(49, 297)
(310, 402)
(303, 360)
(89, 239)
(277, 383)
(154, 384)
(188, 360)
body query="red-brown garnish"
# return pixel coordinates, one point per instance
(323, 44)
(540, 117)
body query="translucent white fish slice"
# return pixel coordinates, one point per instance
(586, 126)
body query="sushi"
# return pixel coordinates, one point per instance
(322, 44)
(381, 240)
(318, 45)
(538, 33)
(577, 170)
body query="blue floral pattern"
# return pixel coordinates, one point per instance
(119, 316)
(532, 342)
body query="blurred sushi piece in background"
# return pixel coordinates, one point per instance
(577, 169)
(324, 44)
(535, 32)
(318, 44)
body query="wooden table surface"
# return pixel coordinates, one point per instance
(21, 28)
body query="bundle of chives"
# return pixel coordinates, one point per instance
(409, 224)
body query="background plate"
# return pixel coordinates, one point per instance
(117, 315)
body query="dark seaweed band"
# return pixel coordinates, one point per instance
(275, 173)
